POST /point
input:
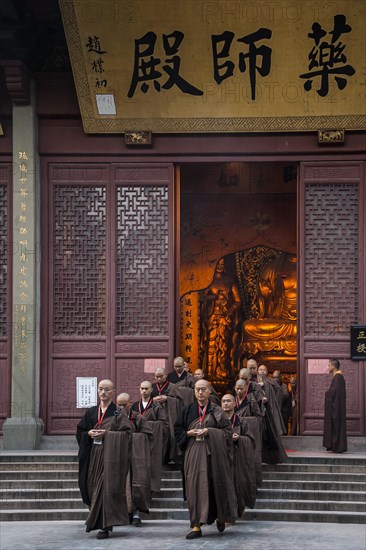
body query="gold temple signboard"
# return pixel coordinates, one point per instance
(173, 66)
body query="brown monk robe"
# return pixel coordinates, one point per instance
(182, 380)
(271, 391)
(138, 485)
(244, 451)
(204, 434)
(105, 444)
(273, 427)
(154, 414)
(335, 435)
(246, 406)
(165, 394)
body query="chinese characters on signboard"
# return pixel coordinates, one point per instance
(218, 66)
(358, 342)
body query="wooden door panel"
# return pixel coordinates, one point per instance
(110, 290)
(332, 298)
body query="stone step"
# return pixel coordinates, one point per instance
(171, 482)
(285, 493)
(175, 474)
(313, 476)
(340, 460)
(35, 474)
(37, 466)
(338, 468)
(325, 505)
(159, 502)
(38, 483)
(71, 456)
(72, 493)
(272, 495)
(305, 516)
(44, 515)
(169, 493)
(42, 504)
(329, 489)
(38, 456)
(315, 485)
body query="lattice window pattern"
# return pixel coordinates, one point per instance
(331, 259)
(142, 260)
(79, 261)
(3, 258)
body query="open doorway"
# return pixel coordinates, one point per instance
(238, 268)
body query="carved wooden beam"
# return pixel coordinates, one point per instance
(16, 81)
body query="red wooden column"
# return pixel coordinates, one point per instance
(331, 286)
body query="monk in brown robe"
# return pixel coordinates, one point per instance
(182, 380)
(246, 406)
(154, 414)
(271, 390)
(204, 434)
(104, 462)
(244, 463)
(335, 434)
(273, 451)
(138, 484)
(168, 396)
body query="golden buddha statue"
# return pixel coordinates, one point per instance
(275, 328)
(219, 314)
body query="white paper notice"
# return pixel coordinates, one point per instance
(318, 366)
(150, 365)
(105, 104)
(86, 392)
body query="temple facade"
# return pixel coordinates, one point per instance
(122, 249)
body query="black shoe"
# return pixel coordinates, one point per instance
(194, 535)
(136, 522)
(103, 534)
(220, 526)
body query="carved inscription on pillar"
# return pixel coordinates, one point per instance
(79, 261)
(331, 259)
(3, 260)
(142, 260)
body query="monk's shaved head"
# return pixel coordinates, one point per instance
(244, 374)
(106, 384)
(159, 370)
(201, 383)
(124, 400)
(229, 397)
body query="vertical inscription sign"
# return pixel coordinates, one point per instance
(22, 272)
(358, 343)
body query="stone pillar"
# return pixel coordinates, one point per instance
(23, 429)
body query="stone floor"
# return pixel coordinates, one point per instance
(170, 535)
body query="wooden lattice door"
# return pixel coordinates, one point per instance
(108, 294)
(332, 286)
